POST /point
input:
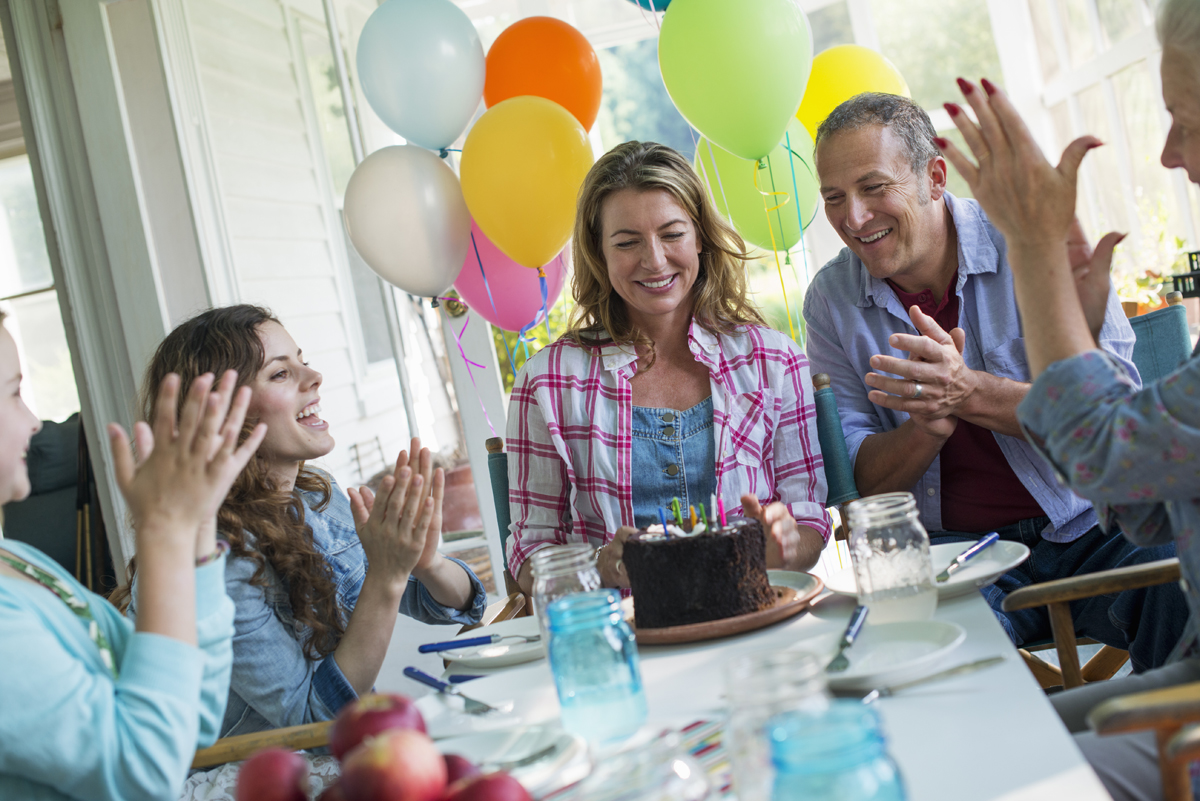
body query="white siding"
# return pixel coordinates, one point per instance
(281, 224)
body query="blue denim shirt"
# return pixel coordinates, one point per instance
(851, 314)
(689, 445)
(273, 683)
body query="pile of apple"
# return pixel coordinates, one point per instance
(385, 754)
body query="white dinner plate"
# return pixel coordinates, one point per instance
(979, 572)
(537, 756)
(499, 654)
(889, 653)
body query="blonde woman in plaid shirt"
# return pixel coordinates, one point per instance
(666, 384)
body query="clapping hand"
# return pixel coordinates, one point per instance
(396, 526)
(183, 470)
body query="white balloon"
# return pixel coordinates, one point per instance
(406, 216)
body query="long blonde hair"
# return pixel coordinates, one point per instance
(721, 303)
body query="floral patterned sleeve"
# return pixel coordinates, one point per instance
(1126, 450)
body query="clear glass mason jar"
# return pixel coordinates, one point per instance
(659, 771)
(838, 755)
(889, 549)
(594, 659)
(758, 686)
(558, 571)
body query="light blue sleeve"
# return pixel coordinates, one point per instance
(66, 724)
(270, 670)
(1127, 450)
(214, 636)
(418, 604)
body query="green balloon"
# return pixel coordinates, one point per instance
(736, 69)
(731, 180)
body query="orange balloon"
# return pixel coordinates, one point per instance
(546, 57)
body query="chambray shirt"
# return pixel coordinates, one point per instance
(68, 729)
(1134, 452)
(570, 436)
(851, 315)
(273, 683)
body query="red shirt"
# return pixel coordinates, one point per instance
(980, 491)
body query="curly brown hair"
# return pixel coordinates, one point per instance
(258, 519)
(721, 301)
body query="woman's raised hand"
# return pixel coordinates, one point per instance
(1027, 198)
(184, 468)
(394, 524)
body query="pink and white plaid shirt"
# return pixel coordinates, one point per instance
(570, 443)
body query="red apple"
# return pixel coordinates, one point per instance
(273, 775)
(397, 765)
(458, 767)
(371, 715)
(489, 787)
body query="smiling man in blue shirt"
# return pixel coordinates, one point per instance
(916, 324)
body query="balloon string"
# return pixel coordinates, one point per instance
(511, 362)
(779, 267)
(469, 364)
(787, 142)
(720, 184)
(542, 313)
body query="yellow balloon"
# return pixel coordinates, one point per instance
(522, 165)
(839, 74)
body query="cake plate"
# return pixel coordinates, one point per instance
(793, 593)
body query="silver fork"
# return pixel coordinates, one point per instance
(857, 618)
(470, 705)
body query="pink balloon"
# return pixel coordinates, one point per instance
(515, 291)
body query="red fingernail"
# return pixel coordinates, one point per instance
(987, 86)
(951, 109)
(1119, 241)
(965, 86)
(941, 143)
(1095, 145)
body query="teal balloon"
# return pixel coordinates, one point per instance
(421, 66)
(731, 183)
(736, 69)
(652, 5)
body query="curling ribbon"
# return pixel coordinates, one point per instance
(469, 364)
(786, 306)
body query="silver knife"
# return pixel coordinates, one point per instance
(969, 667)
(970, 553)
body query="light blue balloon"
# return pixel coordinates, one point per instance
(421, 66)
(652, 5)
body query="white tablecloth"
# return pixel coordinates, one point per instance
(990, 734)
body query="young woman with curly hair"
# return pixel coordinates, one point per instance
(667, 383)
(317, 577)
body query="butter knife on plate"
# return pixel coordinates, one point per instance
(967, 555)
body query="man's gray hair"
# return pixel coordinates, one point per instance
(906, 119)
(1179, 26)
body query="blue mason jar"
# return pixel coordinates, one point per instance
(838, 755)
(594, 659)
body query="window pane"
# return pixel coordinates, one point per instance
(371, 312)
(954, 180)
(49, 385)
(830, 26)
(331, 112)
(954, 36)
(339, 157)
(1119, 19)
(1079, 33)
(1043, 29)
(1101, 166)
(24, 265)
(635, 103)
(1158, 212)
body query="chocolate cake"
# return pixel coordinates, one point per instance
(680, 577)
